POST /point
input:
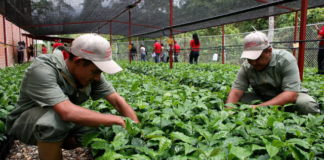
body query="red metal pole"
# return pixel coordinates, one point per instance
(171, 24)
(5, 39)
(223, 46)
(130, 33)
(33, 45)
(295, 35)
(302, 36)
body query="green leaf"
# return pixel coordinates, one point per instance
(164, 144)
(157, 132)
(205, 133)
(119, 140)
(297, 154)
(311, 155)
(188, 148)
(300, 142)
(88, 137)
(139, 157)
(135, 86)
(219, 135)
(279, 129)
(256, 147)
(181, 136)
(201, 151)
(138, 142)
(148, 151)
(128, 125)
(234, 140)
(2, 127)
(110, 155)
(178, 157)
(166, 96)
(277, 143)
(240, 152)
(101, 145)
(298, 133)
(270, 121)
(272, 150)
(215, 152)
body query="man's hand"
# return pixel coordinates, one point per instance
(234, 96)
(121, 106)
(254, 106)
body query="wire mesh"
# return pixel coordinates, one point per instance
(211, 45)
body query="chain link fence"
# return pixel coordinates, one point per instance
(211, 45)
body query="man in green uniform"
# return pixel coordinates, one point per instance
(273, 75)
(48, 112)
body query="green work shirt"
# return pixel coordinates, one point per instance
(47, 82)
(281, 75)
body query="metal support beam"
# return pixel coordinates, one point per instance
(295, 34)
(223, 45)
(171, 24)
(302, 36)
(130, 33)
(5, 39)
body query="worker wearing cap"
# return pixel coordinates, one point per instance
(273, 75)
(176, 49)
(48, 111)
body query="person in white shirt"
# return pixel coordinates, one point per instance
(143, 53)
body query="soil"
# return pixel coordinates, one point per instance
(22, 151)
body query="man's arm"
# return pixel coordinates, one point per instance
(121, 106)
(234, 96)
(282, 99)
(319, 37)
(70, 112)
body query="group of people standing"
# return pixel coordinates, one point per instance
(160, 52)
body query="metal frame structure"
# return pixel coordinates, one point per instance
(172, 27)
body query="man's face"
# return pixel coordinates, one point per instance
(262, 62)
(87, 74)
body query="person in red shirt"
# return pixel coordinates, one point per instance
(44, 50)
(194, 46)
(157, 51)
(320, 55)
(176, 51)
(57, 43)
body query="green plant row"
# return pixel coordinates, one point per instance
(186, 122)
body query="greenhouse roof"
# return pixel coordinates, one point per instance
(148, 17)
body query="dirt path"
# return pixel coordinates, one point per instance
(28, 152)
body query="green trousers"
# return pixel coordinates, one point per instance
(44, 125)
(304, 104)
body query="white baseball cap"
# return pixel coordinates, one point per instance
(254, 43)
(95, 48)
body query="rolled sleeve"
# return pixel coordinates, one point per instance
(290, 77)
(42, 87)
(101, 89)
(241, 81)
